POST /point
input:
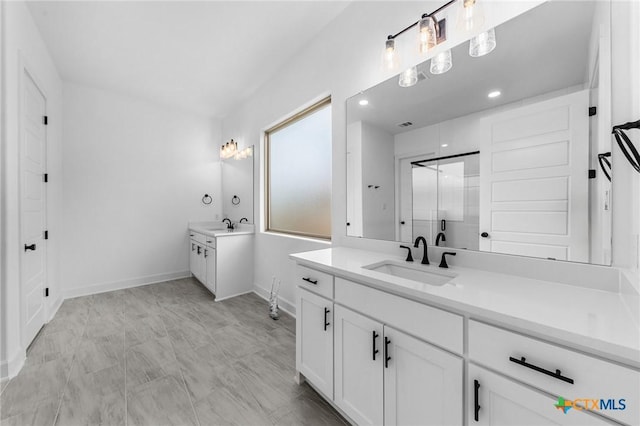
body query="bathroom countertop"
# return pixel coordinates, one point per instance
(596, 321)
(217, 230)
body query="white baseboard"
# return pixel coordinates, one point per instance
(53, 310)
(11, 368)
(120, 285)
(284, 304)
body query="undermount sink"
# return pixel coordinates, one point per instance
(411, 272)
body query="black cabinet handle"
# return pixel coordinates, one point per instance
(208, 241)
(402, 222)
(191, 235)
(374, 337)
(199, 248)
(348, 223)
(387, 358)
(309, 280)
(30, 247)
(476, 404)
(326, 324)
(206, 253)
(485, 235)
(557, 375)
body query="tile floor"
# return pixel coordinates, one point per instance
(163, 354)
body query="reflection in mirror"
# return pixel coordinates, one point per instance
(494, 155)
(237, 186)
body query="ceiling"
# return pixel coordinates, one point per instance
(201, 56)
(543, 50)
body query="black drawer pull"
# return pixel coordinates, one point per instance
(199, 249)
(309, 280)
(206, 253)
(476, 404)
(557, 375)
(375, 351)
(387, 358)
(31, 247)
(326, 324)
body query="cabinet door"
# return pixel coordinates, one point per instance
(200, 270)
(502, 401)
(359, 355)
(210, 268)
(422, 384)
(193, 257)
(315, 340)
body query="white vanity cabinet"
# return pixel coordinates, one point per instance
(222, 264)
(497, 401)
(553, 369)
(368, 360)
(385, 376)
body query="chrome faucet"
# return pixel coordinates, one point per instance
(440, 237)
(425, 255)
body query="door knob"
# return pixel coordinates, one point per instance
(484, 235)
(31, 247)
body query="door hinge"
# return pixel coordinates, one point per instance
(45, 120)
(46, 235)
(592, 111)
(592, 173)
(46, 177)
(46, 292)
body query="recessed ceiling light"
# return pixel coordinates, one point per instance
(444, 145)
(494, 94)
(363, 102)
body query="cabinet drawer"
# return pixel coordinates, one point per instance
(315, 281)
(425, 322)
(199, 238)
(592, 378)
(209, 241)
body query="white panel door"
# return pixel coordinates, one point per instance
(422, 384)
(32, 208)
(210, 268)
(315, 347)
(534, 198)
(503, 402)
(358, 367)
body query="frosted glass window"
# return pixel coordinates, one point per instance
(299, 174)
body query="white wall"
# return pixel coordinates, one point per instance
(625, 43)
(134, 176)
(24, 48)
(341, 61)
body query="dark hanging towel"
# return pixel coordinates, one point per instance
(625, 144)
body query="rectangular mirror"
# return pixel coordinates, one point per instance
(237, 186)
(499, 153)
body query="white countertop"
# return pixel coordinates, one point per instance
(595, 321)
(214, 229)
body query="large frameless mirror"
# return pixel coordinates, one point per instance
(499, 153)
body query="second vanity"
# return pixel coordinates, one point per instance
(391, 342)
(219, 258)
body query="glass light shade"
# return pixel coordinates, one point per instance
(441, 63)
(470, 15)
(427, 36)
(482, 44)
(229, 149)
(409, 77)
(390, 57)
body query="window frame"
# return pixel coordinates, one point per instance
(267, 189)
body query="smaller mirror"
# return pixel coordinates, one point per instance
(237, 186)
